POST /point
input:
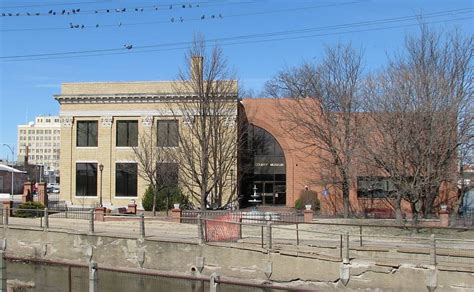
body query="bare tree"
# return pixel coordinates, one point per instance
(421, 108)
(208, 139)
(323, 111)
(149, 157)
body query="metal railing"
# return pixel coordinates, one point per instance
(49, 219)
(190, 216)
(273, 235)
(94, 277)
(339, 244)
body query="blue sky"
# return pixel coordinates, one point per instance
(27, 86)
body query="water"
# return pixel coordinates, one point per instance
(55, 278)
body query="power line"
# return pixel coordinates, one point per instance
(195, 19)
(184, 45)
(54, 4)
(120, 9)
(247, 42)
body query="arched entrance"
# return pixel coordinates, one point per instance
(263, 167)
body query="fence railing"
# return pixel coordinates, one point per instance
(190, 216)
(94, 277)
(46, 219)
(270, 234)
(344, 246)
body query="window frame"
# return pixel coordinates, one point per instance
(136, 180)
(88, 134)
(128, 138)
(167, 166)
(377, 192)
(166, 141)
(87, 163)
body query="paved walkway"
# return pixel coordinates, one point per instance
(308, 234)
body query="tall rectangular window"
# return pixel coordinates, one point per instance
(86, 179)
(167, 174)
(126, 180)
(127, 133)
(86, 133)
(167, 133)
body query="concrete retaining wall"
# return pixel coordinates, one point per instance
(233, 261)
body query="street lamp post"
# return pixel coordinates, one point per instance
(13, 158)
(231, 182)
(101, 168)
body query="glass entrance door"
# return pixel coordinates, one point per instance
(271, 192)
(268, 195)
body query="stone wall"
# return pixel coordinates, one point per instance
(309, 271)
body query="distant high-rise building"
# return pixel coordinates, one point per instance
(39, 142)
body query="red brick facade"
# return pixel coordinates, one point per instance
(302, 168)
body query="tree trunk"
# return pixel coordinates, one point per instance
(154, 202)
(345, 197)
(415, 215)
(398, 210)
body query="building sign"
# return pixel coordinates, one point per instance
(269, 165)
(266, 164)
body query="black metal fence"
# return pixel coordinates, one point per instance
(465, 217)
(190, 216)
(49, 275)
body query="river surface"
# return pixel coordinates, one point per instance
(55, 278)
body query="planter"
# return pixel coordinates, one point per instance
(175, 206)
(308, 207)
(444, 207)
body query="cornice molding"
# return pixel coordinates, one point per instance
(128, 98)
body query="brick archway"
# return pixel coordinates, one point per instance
(266, 117)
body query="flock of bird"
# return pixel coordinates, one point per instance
(72, 25)
(75, 11)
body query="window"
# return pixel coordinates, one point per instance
(374, 187)
(167, 133)
(127, 133)
(126, 180)
(86, 179)
(167, 174)
(87, 133)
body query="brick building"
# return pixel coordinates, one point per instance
(285, 167)
(100, 124)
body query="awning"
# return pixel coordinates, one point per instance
(10, 169)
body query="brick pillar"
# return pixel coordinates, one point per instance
(444, 218)
(176, 215)
(42, 194)
(308, 215)
(132, 208)
(27, 196)
(100, 214)
(8, 205)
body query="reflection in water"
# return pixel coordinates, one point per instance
(55, 278)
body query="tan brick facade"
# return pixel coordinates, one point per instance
(108, 103)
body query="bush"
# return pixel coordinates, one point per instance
(299, 204)
(147, 199)
(30, 210)
(308, 197)
(175, 197)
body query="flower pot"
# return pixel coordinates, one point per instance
(175, 206)
(308, 207)
(443, 207)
